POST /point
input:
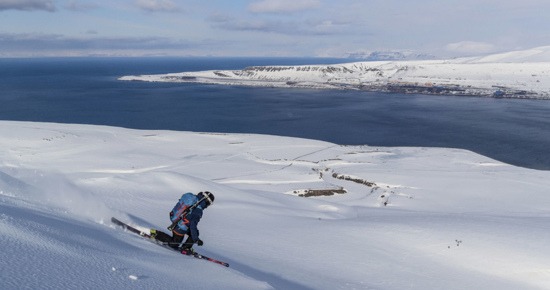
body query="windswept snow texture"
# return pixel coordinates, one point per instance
(412, 218)
(519, 74)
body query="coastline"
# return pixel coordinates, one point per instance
(509, 93)
(494, 80)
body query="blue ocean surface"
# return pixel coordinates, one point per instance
(85, 91)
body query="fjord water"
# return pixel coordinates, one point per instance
(85, 91)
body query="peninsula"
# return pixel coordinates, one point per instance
(518, 74)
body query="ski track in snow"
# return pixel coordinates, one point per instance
(61, 184)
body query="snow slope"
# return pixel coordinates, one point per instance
(519, 70)
(396, 228)
(539, 54)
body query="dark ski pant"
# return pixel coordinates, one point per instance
(176, 239)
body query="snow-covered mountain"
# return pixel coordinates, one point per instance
(482, 76)
(388, 55)
(539, 54)
(398, 218)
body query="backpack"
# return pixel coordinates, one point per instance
(186, 200)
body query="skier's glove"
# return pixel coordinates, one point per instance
(200, 243)
(171, 215)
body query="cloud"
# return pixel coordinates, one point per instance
(27, 5)
(470, 47)
(292, 27)
(75, 6)
(329, 23)
(281, 27)
(39, 42)
(157, 5)
(282, 6)
(91, 32)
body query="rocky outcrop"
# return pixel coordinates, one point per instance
(323, 192)
(354, 179)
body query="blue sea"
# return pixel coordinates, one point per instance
(85, 91)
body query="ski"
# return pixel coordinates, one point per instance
(199, 256)
(148, 237)
(127, 227)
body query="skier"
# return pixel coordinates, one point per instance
(188, 224)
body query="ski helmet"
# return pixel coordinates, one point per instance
(209, 197)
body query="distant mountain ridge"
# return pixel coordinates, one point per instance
(537, 54)
(389, 55)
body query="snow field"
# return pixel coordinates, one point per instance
(60, 184)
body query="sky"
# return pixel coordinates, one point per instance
(253, 28)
